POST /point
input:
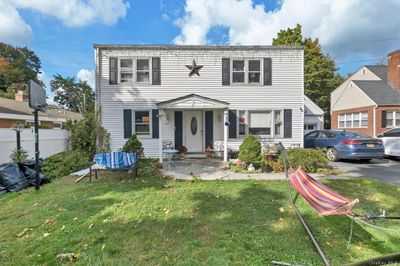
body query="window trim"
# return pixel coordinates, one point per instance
(281, 125)
(149, 123)
(345, 116)
(124, 70)
(246, 71)
(394, 123)
(246, 119)
(271, 125)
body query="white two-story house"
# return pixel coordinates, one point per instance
(200, 96)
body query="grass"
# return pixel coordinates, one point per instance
(153, 221)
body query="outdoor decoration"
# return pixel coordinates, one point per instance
(208, 152)
(182, 150)
(194, 69)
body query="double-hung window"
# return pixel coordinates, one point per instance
(242, 123)
(341, 121)
(238, 71)
(348, 120)
(364, 119)
(393, 118)
(356, 120)
(254, 74)
(126, 70)
(260, 123)
(278, 123)
(142, 122)
(142, 71)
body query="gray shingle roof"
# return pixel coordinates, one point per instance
(8, 106)
(379, 92)
(380, 71)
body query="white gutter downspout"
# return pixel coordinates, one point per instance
(374, 125)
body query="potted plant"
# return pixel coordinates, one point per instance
(208, 152)
(182, 150)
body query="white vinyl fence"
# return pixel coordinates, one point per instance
(51, 141)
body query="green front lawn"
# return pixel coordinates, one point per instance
(152, 221)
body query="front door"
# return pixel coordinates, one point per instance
(194, 131)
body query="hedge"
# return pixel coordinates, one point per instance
(64, 163)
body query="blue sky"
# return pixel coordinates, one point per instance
(350, 31)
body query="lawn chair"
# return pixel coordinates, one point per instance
(114, 161)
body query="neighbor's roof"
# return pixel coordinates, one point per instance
(311, 108)
(379, 92)
(196, 47)
(13, 107)
(380, 71)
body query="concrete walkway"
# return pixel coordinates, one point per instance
(214, 169)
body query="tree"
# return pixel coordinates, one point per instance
(75, 95)
(18, 65)
(320, 77)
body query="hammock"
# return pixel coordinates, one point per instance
(322, 198)
(115, 160)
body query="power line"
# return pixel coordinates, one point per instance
(359, 61)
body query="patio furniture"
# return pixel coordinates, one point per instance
(169, 153)
(114, 161)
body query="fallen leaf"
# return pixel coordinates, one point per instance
(167, 211)
(62, 228)
(281, 209)
(91, 225)
(68, 256)
(49, 222)
(24, 232)
(46, 234)
(103, 246)
(76, 218)
(62, 209)
(105, 220)
(35, 204)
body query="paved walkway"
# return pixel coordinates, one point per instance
(214, 170)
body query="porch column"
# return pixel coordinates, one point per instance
(226, 130)
(161, 116)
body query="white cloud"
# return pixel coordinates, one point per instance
(72, 13)
(333, 22)
(86, 75)
(13, 28)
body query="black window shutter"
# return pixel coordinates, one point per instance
(156, 67)
(384, 121)
(287, 123)
(113, 70)
(154, 123)
(232, 125)
(267, 71)
(127, 123)
(226, 71)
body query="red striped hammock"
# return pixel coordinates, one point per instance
(322, 198)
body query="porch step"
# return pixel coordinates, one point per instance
(195, 156)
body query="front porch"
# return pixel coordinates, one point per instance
(195, 122)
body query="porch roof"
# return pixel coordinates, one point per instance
(193, 101)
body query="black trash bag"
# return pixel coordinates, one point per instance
(30, 173)
(12, 178)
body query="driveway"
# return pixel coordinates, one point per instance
(383, 170)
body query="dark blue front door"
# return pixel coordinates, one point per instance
(209, 129)
(178, 128)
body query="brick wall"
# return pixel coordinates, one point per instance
(8, 123)
(367, 131)
(379, 110)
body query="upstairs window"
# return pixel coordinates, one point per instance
(254, 74)
(142, 71)
(126, 71)
(238, 71)
(142, 122)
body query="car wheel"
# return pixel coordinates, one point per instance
(331, 153)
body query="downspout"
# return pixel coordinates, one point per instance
(374, 120)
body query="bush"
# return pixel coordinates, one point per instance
(133, 145)
(18, 156)
(83, 136)
(250, 151)
(64, 163)
(311, 160)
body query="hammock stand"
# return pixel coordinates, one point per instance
(326, 202)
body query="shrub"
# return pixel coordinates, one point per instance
(64, 163)
(18, 156)
(83, 136)
(250, 151)
(311, 160)
(133, 145)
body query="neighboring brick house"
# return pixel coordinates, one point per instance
(18, 110)
(368, 102)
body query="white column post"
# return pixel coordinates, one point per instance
(161, 116)
(226, 127)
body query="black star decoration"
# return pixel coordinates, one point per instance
(194, 69)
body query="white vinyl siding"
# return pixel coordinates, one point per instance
(286, 92)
